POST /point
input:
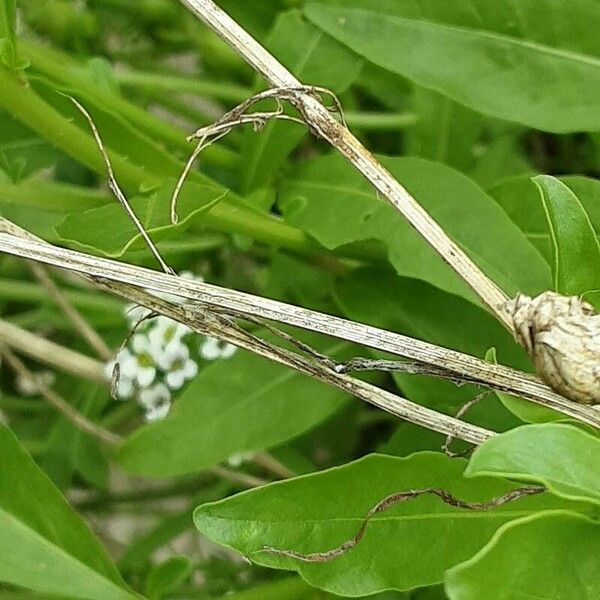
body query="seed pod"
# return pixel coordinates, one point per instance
(562, 336)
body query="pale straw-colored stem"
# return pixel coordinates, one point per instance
(85, 330)
(51, 354)
(458, 365)
(322, 122)
(58, 402)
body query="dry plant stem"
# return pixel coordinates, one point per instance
(455, 364)
(249, 481)
(459, 415)
(59, 403)
(271, 464)
(87, 332)
(116, 190)
(397, 498)
(47, 352)
(322, 123)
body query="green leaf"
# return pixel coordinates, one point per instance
(533, 62)
(44, 544)
(409, 545)
(109, 230)
(576, 266)
(315, 59)
(524, 409)
(561, 457)
(419, 310)
(543, 557)
(519, 197)
(8, 39)
(168, 576)
(22, 152)
(243, 404)
(329, 200)
(445, 131)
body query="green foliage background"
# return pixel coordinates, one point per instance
(488, 111)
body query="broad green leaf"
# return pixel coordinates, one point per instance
(329, 200)
(576, 265)
(561, 457)
(524, 409)
(549, 556)
(243, 404)
(445, 131)
(167, 577)
(419, 310)
(533, 62)
(315, 59)
(500, 158)
(519, 197)
(44, 544)
(109, 230)
(118, 133)
(317, 512)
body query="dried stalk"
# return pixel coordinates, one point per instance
(87, 332)
(397, 498)
(59, 403)
(455, 364)
(321, 122)
(47, 352)
(209, 320)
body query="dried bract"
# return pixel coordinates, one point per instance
(562, 336)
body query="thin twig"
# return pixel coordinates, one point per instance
(462, 411)
(59, 403)
(87, 332)
(396, 366)
(270, 463)
(322, 123)
(51, 354)
(456, 364)
(397, 498)
(249, 481)
(116, 190)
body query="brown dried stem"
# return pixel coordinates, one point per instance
(87, 332)
(323, 124)
(59, 403)
(397, 498)
(205, 296)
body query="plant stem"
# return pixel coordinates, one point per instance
(87, 332)
(52, 196)
(229, 215)
(63, 69)
(27, 292)
(49, 353)
(227, 92)
(458, 365)
(379, 121)
(59, 403)
(323, 123)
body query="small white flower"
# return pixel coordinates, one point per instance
(157, 401)
(212, 349)
(167, 333)
(138, 366)
(178, 366)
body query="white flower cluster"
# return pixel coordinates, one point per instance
(157, 360)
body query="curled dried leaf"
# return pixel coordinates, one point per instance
(562, 336)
